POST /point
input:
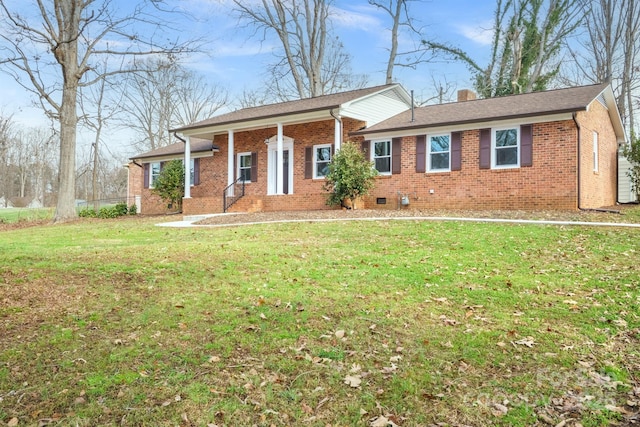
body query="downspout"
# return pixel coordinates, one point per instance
(180, 138)
(575, 120)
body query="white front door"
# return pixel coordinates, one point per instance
(272, 160)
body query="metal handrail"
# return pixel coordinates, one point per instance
(230, 197)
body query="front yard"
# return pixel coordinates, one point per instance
(372, 323)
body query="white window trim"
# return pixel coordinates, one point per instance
(493, 148)
(428, 150)
(315, 159)
(152, 178)
(373, 157)
(596, 150)
(238, 168)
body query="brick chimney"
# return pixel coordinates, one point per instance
(466, 95)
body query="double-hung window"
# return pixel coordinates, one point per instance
(595, 151)
(439, 153)
(244, 167)
(321, 159)
(154, 173)
(382, 156)
(506, 148)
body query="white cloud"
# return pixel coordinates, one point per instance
(481, 33)
(356, 18)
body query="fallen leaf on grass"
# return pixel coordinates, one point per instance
(528, 341)
(339, 334)
(500, 409)
(620, 322)
(381, 421)
(306, 408)
(353, 381)
(13, 422)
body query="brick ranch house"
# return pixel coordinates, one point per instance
(545, 150)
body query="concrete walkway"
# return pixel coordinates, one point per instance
(189, 221)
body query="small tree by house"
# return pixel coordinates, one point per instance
(350, 175)
(170, 184)
(632, 153)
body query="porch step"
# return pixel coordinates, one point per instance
(247, 204)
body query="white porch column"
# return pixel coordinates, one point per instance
(187, 167)
(279, 162)
(337, 134)
(230, 159)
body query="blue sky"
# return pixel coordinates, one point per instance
(237, 61)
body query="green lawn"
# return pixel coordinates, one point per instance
(120, 322)
(12, 215)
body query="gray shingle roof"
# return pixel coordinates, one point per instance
(177, 149)
(324, 102)
(500, 108)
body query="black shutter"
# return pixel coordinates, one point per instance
(421, 153)
(146, 175)
(526, 145)
(456, 151)
(485, 148)
(196, 172)
(308, 162)
(396, 155)
(254, 167)
(366, 146)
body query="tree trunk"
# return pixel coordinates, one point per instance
(65, 208)
(66, 53)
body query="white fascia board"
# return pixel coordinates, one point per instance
(468, 126)
(614, 113)
(169, 157)
(270, 122)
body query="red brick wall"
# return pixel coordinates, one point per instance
(548, 184)
(135, 181)
(597, 189)
(551, 183)
(308, 193)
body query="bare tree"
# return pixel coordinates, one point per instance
(335, 76)
(6, 135)
(302, 27)
(65, 40)
(528, 36)
(28, 165)
(97, 112)
(163, 95)
(609, 49)
(401, 17)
